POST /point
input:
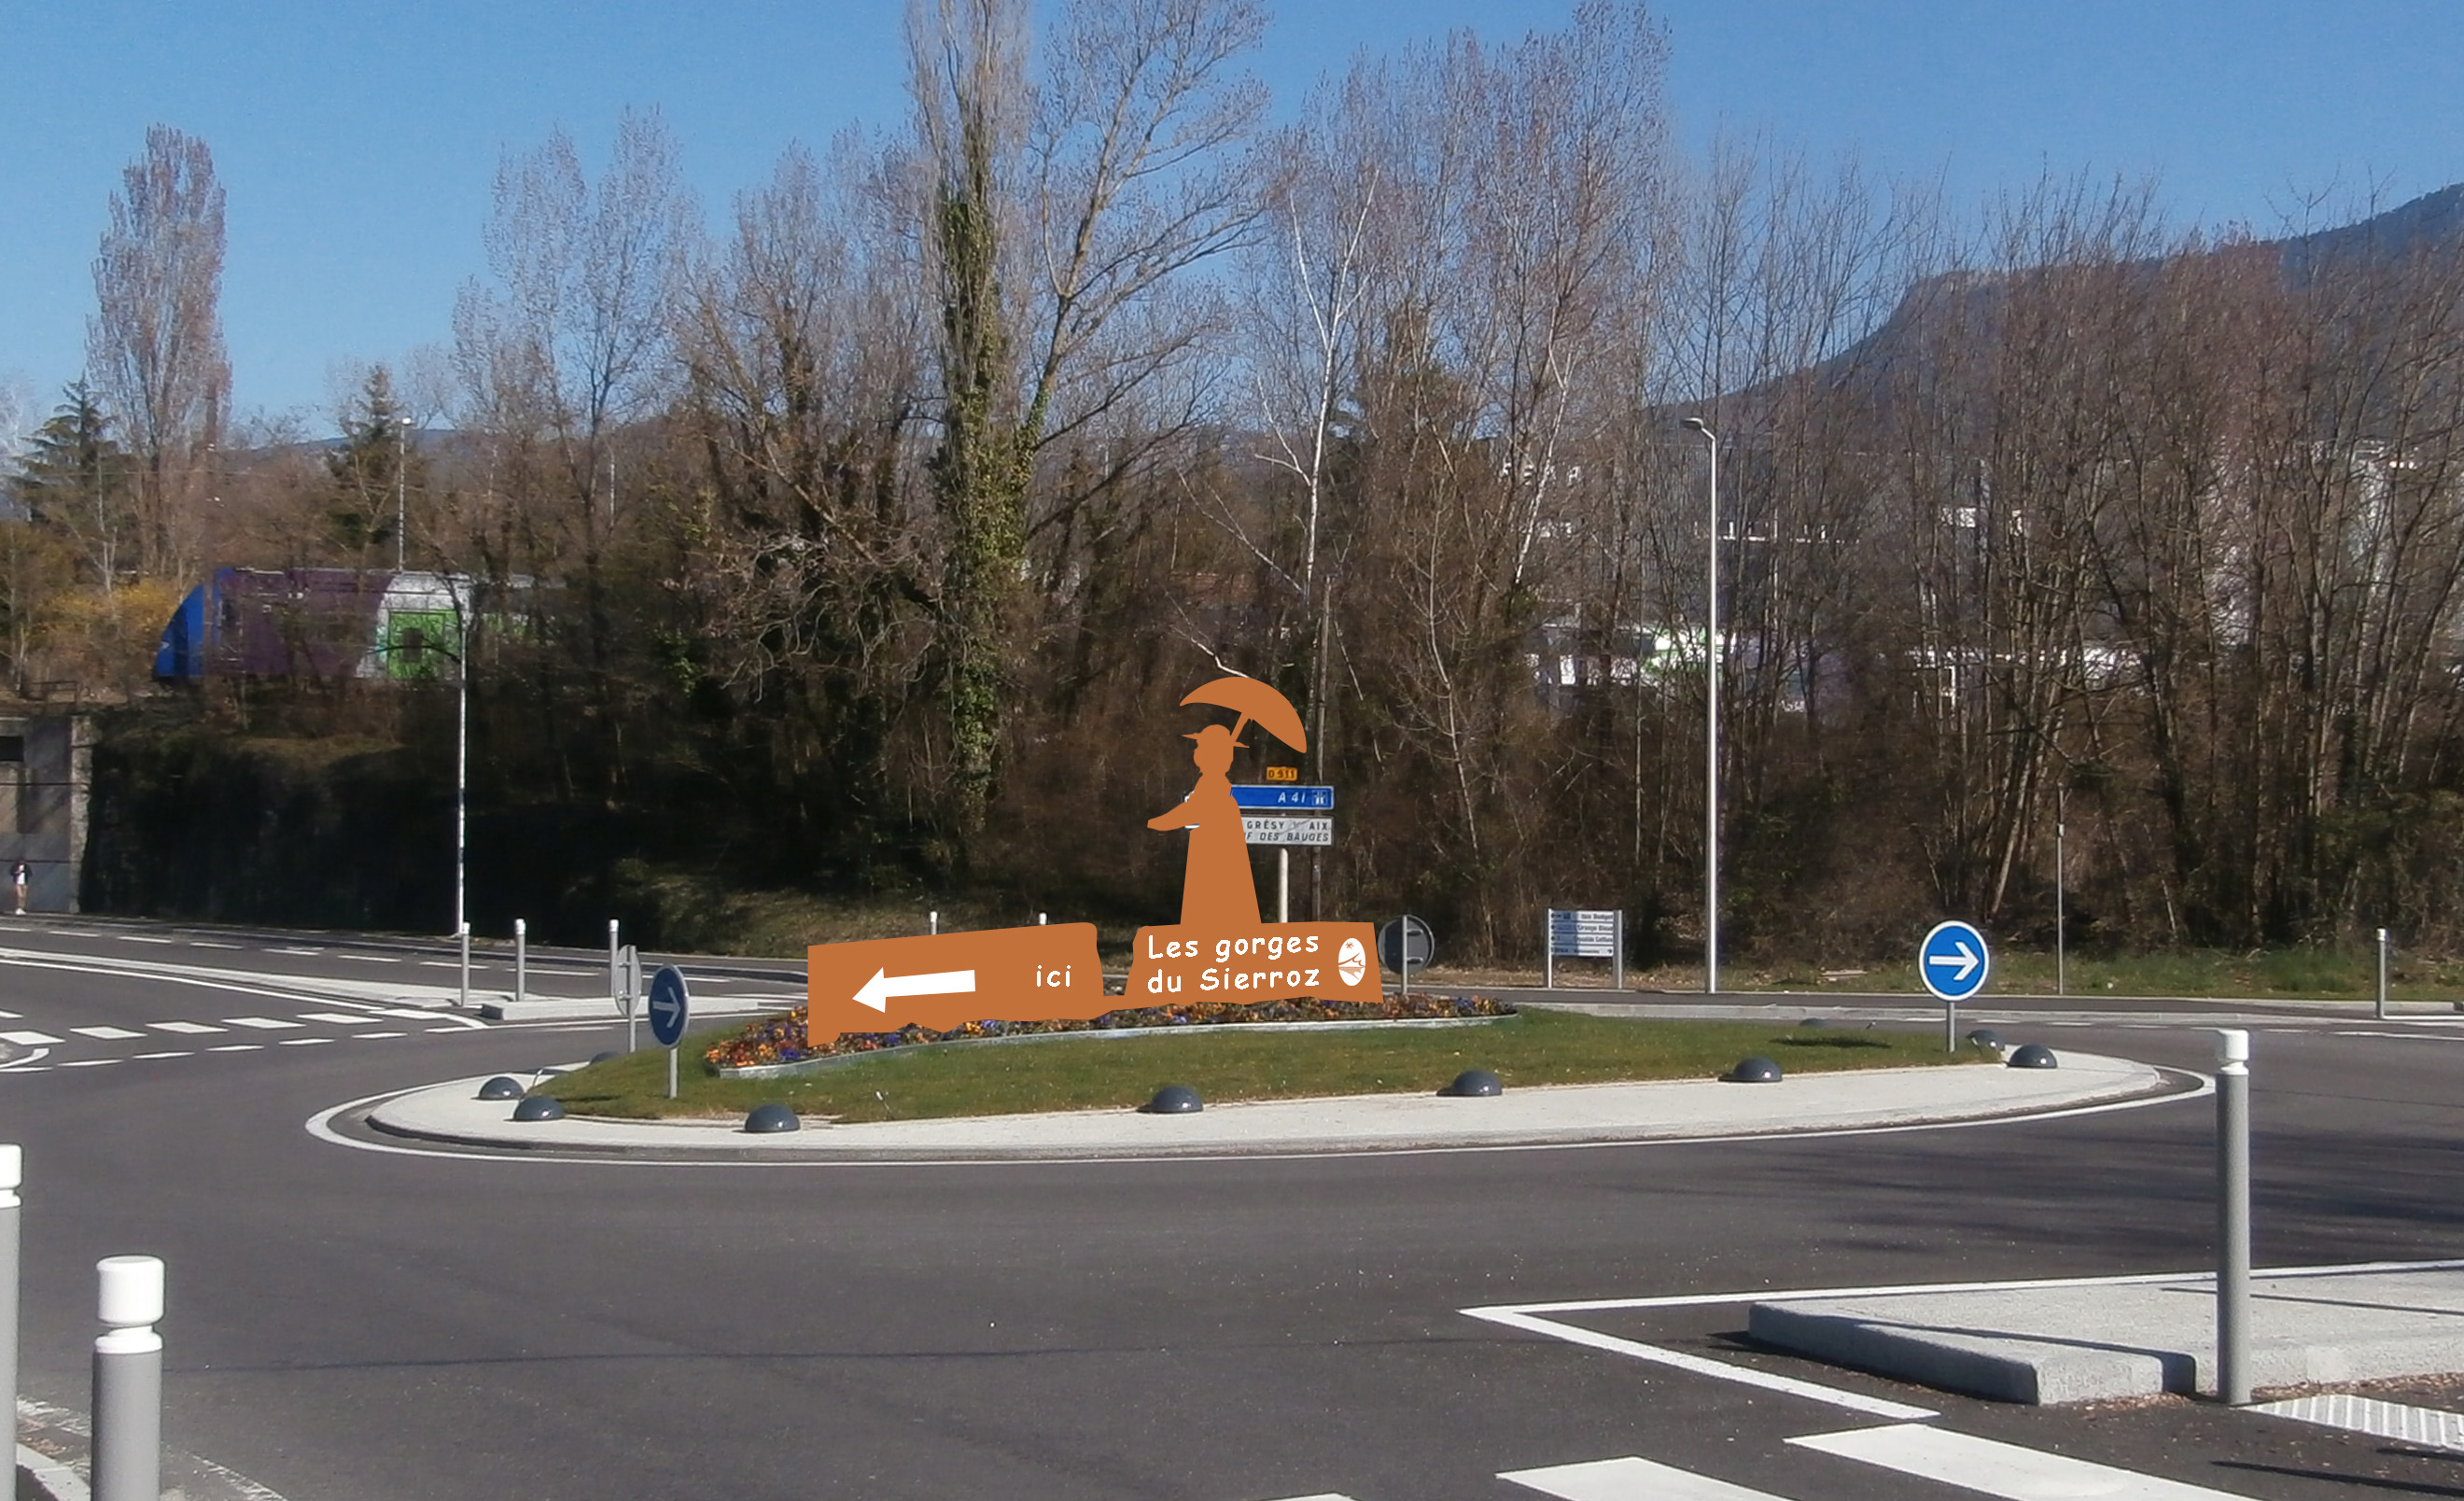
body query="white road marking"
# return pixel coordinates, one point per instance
(209, 943)
(29, 1039)
(2428, 1426)
(295, 951)
(138, 1056)
(442, 964)
(1998, 1469)
(87, 1063)
(365, 958)
(238, 1047)
(434, 1030)
(185, 1029)
(1629, 1479)
(303, 1042)
(1698, 1365)
(337, 1018)
(10, 1016)
(109, 1034)
(263, 1024)
(138, 937)
(371, 1036)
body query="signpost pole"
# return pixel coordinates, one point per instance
(1548, 947)
(2383, 974)
(522, 957)
(2062, 939)
(671, 1071)
(1284, 883)
(1618, 961)
(2233, 1217)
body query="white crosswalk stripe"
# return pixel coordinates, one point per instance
(2429, 1426)
(339, 1017)
(265, 1024)
(1998, 1469)
(109, 1034)
(1629, 1479)
(185, 1029)
(29, 1039)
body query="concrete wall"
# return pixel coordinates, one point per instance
(46, 764)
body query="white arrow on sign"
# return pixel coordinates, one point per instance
(1965, 959)
(878, 990)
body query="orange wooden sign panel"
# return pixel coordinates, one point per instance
(1012, 974)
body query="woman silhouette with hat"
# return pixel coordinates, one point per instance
(1217, 891)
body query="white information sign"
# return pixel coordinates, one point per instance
(1275, 829)
(1583, 934)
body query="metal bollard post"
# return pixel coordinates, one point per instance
(2383, 974)
(2233, 1217)
(128, 1380)
(614, 995)
(522, 959)
(465, 937)
(13, 1172)
(933, 922)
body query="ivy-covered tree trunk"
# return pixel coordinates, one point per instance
(978, 479)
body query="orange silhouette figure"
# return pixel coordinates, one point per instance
(1217, 891)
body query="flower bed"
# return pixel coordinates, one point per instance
(780, 1039)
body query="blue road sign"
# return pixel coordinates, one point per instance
(1296, 800)
(1954, 961)
(670, 1005)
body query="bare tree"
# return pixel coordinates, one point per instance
(1055, 206)
(154, 347)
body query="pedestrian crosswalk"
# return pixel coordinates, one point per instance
(320, 1028)
(1921, 1451)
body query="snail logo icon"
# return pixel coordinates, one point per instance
(1351, 961)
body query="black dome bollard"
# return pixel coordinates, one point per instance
(539, 1107)
(1752, 1071)
(1474, 1084)
(1173, 1100)
(2034, 1055)
(501, 1088)
(1986, 1037)
(771, 1118)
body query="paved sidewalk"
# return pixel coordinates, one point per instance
(2107, 1340)
(1559, 1115)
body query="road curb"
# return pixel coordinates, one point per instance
(1668, 1111)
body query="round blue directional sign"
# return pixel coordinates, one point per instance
(669, 1006)
(1953, 961)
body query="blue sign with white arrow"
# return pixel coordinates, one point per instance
(670, 1005)
(1954, 961)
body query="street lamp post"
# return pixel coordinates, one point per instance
(401, 486)
(1711, 727)
(462, 789)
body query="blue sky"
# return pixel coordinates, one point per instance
(357, 141)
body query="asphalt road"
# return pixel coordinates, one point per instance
(355, 1326)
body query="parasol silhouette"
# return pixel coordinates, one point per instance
(1253, 700)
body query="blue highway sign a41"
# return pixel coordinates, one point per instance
(1288, 799)
(1954, 961)
(670, 1005)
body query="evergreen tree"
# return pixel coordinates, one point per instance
(76, 477)
(374, 473)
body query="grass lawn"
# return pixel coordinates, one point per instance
(1077, 1071)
